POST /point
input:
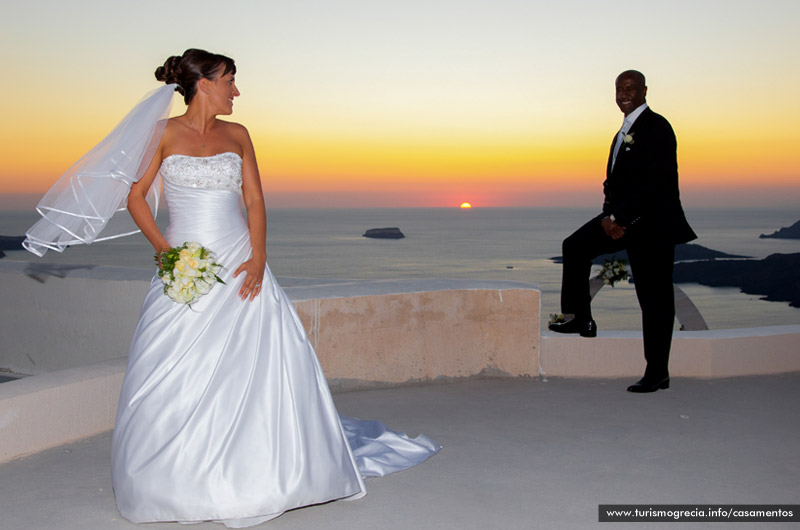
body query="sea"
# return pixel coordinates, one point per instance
(481, 243)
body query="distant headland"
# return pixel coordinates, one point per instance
(10, 243)
(776, 277)
(791, 232)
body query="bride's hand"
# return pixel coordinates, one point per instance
(160, 254)
(254, 274)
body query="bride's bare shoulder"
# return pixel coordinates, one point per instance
(231, 127)
(174, 126)
(237, 132)
(172, 131)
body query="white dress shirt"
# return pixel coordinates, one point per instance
(627, 123)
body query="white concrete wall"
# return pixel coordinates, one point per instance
(72, 327)
(404, 337)
(72, 330)
(58, 317)
(374, 332)
(713, 353)
(52, 409)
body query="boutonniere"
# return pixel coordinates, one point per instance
(628, 139)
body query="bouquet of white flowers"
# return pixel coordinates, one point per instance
(614, 271)
(188, 272)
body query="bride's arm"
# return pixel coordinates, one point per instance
(256, 219)
(140, 210)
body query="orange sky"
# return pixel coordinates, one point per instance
(427, 103)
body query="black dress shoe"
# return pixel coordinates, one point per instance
(585, 328)
(643, 386)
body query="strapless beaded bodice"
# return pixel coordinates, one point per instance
(218, 172)
(204, 198)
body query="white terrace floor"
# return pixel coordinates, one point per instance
(518, 454)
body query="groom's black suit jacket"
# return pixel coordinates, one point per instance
(641, 190)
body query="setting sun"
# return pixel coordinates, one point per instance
(466, 205)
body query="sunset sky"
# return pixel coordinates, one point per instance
(424, 102)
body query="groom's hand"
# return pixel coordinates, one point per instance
(612, 229)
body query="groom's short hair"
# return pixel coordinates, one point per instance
(636, 74)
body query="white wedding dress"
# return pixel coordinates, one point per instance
(225, 414)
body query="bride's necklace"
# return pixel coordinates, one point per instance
(201, 135)
(202, 140)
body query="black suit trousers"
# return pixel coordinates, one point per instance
(651, 261)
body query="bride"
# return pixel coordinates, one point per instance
(224, 413)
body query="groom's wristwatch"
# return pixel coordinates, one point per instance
(613, 219)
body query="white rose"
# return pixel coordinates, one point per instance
(173, 293)
(203, 287)
(188, 297)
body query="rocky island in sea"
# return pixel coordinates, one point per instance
(790, 232)
(384, 233)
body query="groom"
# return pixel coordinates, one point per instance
(642, 214)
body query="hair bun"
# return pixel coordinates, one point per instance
(170, 72)
(187, 69)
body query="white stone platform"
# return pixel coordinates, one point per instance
(519, 454)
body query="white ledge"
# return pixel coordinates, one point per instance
(321, 289)
(366, 333)
(712, 353)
